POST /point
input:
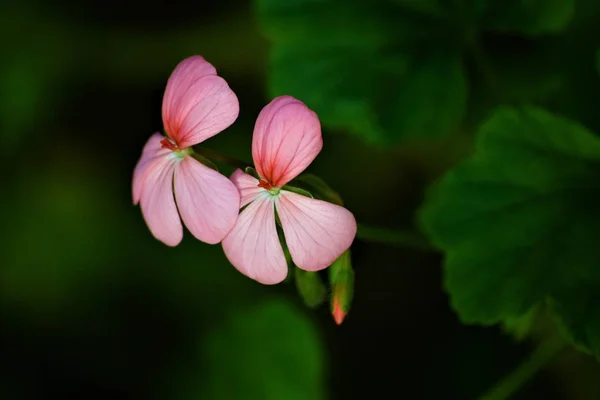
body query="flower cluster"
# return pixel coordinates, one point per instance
(171, 185)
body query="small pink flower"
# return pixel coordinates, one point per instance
(197, 105)
(287, 138)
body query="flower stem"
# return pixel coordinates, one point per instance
(367, 233)
(508, 386)
(220, 157)
(393, 237)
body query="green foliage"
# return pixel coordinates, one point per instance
(59, 233)
(518, 221)
(360, 97)
(598, 61)
(273, 351)
(534, 17)
(21, 90)
(310, 286)
(520, 326)
(395, 70)
(577, 309)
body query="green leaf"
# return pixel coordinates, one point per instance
(382, 98)
(357, 24)
(390, 71)
(518, 220)
(578, 312)
(532, 17)
(267, 352)
(521, 326)
(298, 190)
(311, 287)
(598, 61)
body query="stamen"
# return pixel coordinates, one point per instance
(167, 144)
(264, 184)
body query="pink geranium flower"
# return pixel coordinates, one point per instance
(197, 105)
(287, 138)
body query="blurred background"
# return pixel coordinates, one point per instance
(93, 307)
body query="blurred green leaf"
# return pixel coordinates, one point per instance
(533, 78)
(60, 233)
(577, 310)
(532, 17)
(311, 287)
(520, 326)
(267, 352)
(392, 70)
(598, 61)
(382, 99)
(21, 90)
(351, 24)
(518, 220)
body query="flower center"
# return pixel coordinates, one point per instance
(168, 144)
(267, 186)
(264, 184)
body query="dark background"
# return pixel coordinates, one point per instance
(93, 307)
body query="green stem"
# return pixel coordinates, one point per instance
(405, 238)
(367, 233)
(508, 386)
(220, 157)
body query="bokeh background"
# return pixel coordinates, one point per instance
(93, 307)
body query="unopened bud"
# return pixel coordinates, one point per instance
(341, 277)
(310, 286)
(337, 312)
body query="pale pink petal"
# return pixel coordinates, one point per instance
(316, 232)
(262, 125)
(157, 202)
(253, 245)
(247, 185)
(208, 202)
(287, 138)
(197, 106)
(152, 150)
(183, 76)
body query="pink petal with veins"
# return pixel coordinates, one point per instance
(287, 138)
(316, 232)
(182, 77)
(247, 185)
(197, 103)
(253, 245)
(208, 202)
(157, 202)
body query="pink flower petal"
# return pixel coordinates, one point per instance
(316, 232)
(152, 150)
(247, 185)
(253, 245)
(157, 202)
(197, 104)
(287, 138)
(208, 202)
(182, 77)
